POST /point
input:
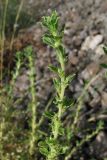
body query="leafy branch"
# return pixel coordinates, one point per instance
(52, 147)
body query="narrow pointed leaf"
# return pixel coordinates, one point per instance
(105, 49)
(103, 65)
(53, 68)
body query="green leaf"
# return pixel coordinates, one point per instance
(44, 21)
(18, 54)
(103, 65)
(57, 40)
(61, 51)
(69, 133)
(43, 148)
(61, 72)
(48, 40)
(48, 114)
(105, 49)
(51, 22)
(28, 51)
(69, 78)
(100, 125)
(68, 102)
(51, 141)
(86, 82)
(54, 18)
(43, 151)
(53, 68)
(57, 84)
(64, 149)
(61, 131)
(54, 21)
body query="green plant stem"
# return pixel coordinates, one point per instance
(3, 40)
(61, 96)
(16, 21)
(60, 107)
(84, 140)
(80, 102)
(52, 148)
(13, 34)
(33, 105)
(59, 114)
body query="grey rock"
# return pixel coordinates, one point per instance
(91, 42)
(90, 71)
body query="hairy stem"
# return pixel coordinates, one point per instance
(33, 106)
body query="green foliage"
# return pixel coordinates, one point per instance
(50, 148)
(51, 23)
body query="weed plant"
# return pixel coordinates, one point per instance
(7, 109)
(55, 144)
(59, 140)
(33, 103)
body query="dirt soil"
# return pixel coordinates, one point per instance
(85, 35)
